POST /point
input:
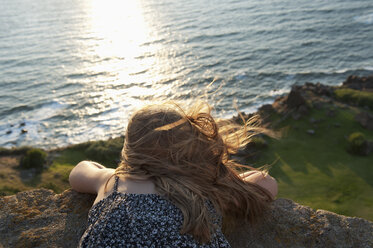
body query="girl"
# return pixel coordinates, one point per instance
(174, 184)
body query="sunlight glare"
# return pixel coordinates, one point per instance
(126, 58)
(120, 25)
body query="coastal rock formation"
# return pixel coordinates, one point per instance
(40, 218)
(359, 83)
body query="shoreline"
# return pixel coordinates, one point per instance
(349, 81)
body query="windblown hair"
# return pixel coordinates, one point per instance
(187, 156)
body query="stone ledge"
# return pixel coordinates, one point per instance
(40, 218)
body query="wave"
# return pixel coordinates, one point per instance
(32, 126)
(292, 74)
(9, 98)
(85, 75)
(37, 112)
(68, 85)
(47, 110)
(365, 19)
(204, 37)
(17, 109)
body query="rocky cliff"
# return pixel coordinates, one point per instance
(40, 218)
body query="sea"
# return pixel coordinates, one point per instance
(75, 70)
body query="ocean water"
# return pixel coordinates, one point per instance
(74, 70)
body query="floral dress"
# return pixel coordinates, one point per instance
(141, 220)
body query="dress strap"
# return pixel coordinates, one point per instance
(116, 183)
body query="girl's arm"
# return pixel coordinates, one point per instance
(262, 179)
(88, 176)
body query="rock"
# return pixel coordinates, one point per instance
(359, 83)
(295, 98)
(40, 218)
(289, 224)
(365, 119)
(296, 116)
(311, 131)
(303, 110)
(323, 90)
(266, 108)
(318, 89)
(331, 113)
(316, 121)
(318, 105)
(238, 118)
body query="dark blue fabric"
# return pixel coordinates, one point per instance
(141, 220)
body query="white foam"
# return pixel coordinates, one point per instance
(32, 122)
(47, 110)
(341, 71)
(365, 19)
(278, 92)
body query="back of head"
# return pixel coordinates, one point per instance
(187, 157)
(163, 140)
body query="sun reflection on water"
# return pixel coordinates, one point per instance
(121, 33)
(130, 70)
(121, 26)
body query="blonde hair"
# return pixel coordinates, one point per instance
(187, 156)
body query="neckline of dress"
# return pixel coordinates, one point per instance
(126, 194)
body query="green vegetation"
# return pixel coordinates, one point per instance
(8, 190)
(357, 97)
(316, 170)
(105, 152)
(258, 142)
(51, 186)
(15, 178)
(357, 144)
(34, 158)
(14, 151)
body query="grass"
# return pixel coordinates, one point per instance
(14, 178)
(105, 152)
(357, 97)
(316, 170)
(9, 190)
(56, 177)
(34, 158)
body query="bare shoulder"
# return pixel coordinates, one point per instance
(88, 176)
(262, 179)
